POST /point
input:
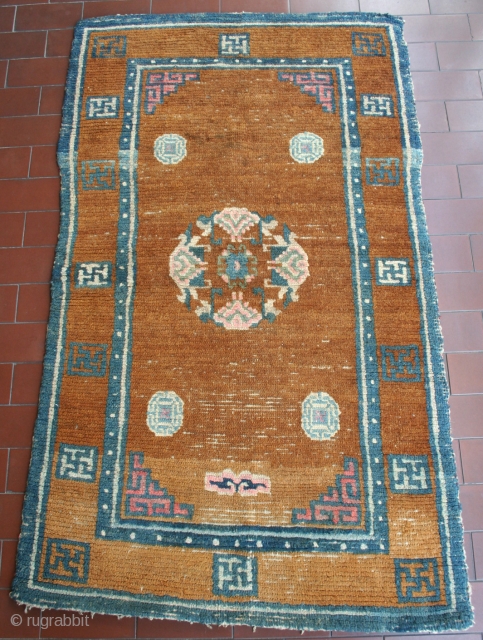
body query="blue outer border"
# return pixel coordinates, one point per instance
(363, 619)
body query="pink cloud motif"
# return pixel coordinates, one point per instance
(245, 483)
(236, 221)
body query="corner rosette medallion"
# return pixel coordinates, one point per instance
(238, 271)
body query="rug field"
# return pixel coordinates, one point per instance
(243, 415)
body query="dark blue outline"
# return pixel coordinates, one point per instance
(233, 594)
(365, 619)
(387, 377)
(108, 117)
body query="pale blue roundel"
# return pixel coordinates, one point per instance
(170, 148)
(165, 413)
(306, 147)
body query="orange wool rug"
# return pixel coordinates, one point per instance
(243, 416)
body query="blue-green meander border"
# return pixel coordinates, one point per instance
(27, 589)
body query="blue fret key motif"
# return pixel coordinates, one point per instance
(409, 474)
(98, 174)
(87, 359)
(417, 580)
(234, 575)
(67, 560)
(400, 363)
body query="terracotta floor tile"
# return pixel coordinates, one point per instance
(44, 162)
(7, 568)
(440, 182)
(471, 457)
(432, 116)
(110, 7)
(22, 342)
(52, 100)
(422, 56)
(477, 601)
(462, 331)
(465, 372)
(436, 28)
(26, 383)
(308, 6)
(16, 425)
(8, 608)
(29, 130)
(460, 291)
(18, 468)
(476, 26)
(453, 148)
(33, 264)
(23, 45)
(452, 253)
(175, 629)
(185, 6)
(470, 561)
(471, 180)
(10, 516)
(465, 115)
(59, 42)
(397, 7)
(477, 251)
(455, 6)
(460, 55)
(268, 6)
(38, 194)
(478, 553)
(3, 73)
(36, 72)
(41, 228)
(457, 458)
(11, 224)
(33, 303)
(446, 85)
(3, 469)
(466, 412)
(47, 16)
(5, 384)
(8, 302)
(23, 101)
(454, 216)
(99, 626)
(14, 163)
(7, 15)
(472, 501)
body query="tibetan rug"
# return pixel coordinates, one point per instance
(243, 416)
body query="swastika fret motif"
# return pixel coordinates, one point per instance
(376, 105)
(368, 44)
(163, 83)
(393, 272)
(98, 174)
(234, 44)
(417, 580)
(87, 359)
(66, 560)
(76, 463)
(102, 107)
(340, 506)
(234, 575)
(400, 363)
(382, 172)
(314, 83)
(93, 275)
(409, 474)
(109, 47)
(144, 496)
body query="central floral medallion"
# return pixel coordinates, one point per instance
(238, 271)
